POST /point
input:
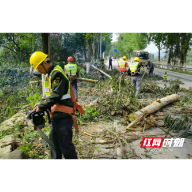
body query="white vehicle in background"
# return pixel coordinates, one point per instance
(143, 56)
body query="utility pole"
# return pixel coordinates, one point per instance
(46, 50)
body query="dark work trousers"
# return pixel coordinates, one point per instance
(110, 65)
(101, 76)
(151, 71)
(61, 135)
(74, 86)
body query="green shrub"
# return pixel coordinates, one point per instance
(33, 99)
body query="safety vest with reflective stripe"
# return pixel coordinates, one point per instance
(71, 69)
(70, 94)
(133, 66)
(47, 84)
(122, 64)
(142, 69)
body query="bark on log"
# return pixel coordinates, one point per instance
(101, 71)
(87, 80)
(79, 79)
(31, 82)
(156, 105)
(137, 120)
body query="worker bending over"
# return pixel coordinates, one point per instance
(101, 66)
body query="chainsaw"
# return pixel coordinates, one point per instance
(38, 120)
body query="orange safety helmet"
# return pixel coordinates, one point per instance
(70, 58)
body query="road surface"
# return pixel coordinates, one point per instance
(186, 79)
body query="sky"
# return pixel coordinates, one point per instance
(151, 48)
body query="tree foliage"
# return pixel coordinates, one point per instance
(16, 48)
(127, 42)
(177, 45)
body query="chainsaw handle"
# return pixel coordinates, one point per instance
(48, 116)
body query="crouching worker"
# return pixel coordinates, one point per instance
(61, 101)
(101, 66)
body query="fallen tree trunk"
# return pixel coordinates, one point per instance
(79, 79)
(31, 82)
(185, 88)
(23, 107)
(135, 121)
(34, 82)
(87, 80)
(156, 105)
(101, 71)
(153, 107)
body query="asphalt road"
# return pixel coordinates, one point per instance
(186, 79)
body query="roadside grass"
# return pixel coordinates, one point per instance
(174, 70)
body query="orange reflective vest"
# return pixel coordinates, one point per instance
(122, 65)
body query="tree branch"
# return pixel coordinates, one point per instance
(14, 41)
(10, 49)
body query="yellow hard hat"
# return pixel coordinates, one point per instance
(124, 57)
(37, 58)
(136, 59)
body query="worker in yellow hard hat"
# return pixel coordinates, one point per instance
(134, 69)
(61, 100)
(37, 58)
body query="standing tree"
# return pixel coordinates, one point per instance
(185, 47)
(127, 42)
(17, 47)
(159, 40)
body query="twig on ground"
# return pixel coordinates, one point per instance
(128, 146)
(90, 134)
(166, 132)
(117, 138)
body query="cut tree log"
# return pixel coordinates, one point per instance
(136, 121)
(31, 82)
(17, 154)
(79, 79)
(102, 71)
(5, 150)
(185, 88)
(156, 105)
(23, 107)
(34, 82)
(87, 80)
(153, 107)
(105, 141)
